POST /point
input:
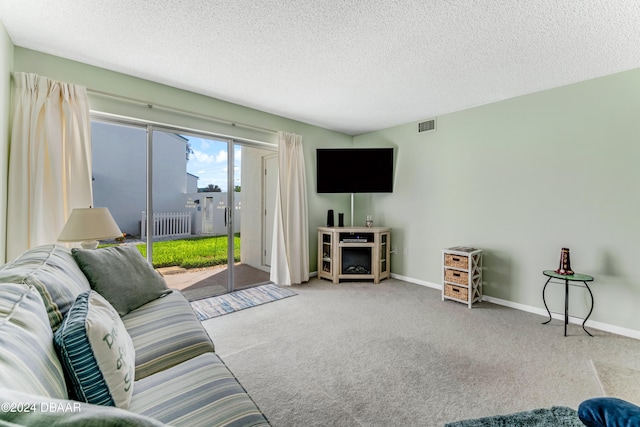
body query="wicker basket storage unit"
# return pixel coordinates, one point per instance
(457, 292)
(462, 275)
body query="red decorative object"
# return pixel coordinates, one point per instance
(565, 263)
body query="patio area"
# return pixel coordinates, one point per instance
(201, 283)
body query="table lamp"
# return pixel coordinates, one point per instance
(88, 225)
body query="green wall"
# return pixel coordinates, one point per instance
(6, 66)
(521, 179)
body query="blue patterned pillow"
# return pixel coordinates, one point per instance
(96, 352)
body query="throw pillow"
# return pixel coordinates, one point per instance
(96, 352)
(28, 360)
(122, 275)
(54, 273)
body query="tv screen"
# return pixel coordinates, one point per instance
(354, 170)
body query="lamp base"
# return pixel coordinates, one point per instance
(89, 244)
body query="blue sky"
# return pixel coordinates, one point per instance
(209, 162)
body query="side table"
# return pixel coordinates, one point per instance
(567, 278)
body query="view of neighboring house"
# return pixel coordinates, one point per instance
(119, 182)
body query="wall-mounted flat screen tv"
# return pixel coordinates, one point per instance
(354, 170)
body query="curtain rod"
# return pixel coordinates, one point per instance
(124, 120)
(180, 110)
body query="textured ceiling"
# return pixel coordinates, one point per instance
(349, 65)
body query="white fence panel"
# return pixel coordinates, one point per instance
(167, 224)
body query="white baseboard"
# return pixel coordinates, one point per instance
(631, 333)
(437, 286)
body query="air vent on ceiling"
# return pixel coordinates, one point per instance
(427, 126)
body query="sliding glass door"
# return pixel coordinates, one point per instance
(213, 198)
(192, 202)
(119, 175)
(230, 202)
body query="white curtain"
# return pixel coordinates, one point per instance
(49, 160)
(290, 250)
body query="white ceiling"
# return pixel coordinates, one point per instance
(349, 65)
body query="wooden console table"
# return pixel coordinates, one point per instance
(354, 253)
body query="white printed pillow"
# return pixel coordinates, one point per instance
(96, 352)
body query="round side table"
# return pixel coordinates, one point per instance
(569, 279)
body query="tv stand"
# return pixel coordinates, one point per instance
(354, 253)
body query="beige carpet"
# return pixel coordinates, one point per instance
(395, 354)
(618, 381)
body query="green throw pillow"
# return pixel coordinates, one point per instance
(122, 275)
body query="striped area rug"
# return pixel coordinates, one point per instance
(239, 300)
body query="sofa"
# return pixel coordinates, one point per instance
(95, 338)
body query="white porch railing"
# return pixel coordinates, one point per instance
(167, 224)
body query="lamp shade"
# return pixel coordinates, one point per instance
(88, 225)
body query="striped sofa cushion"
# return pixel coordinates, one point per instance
(28, 361)
(54, 273)
(165, 332)
(198, 392)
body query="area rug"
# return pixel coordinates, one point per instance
(618, 381)
(557, 416)
(239, 300)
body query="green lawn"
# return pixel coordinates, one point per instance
(191, 253)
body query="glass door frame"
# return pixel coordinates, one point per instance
(231, 142)
(230, 215)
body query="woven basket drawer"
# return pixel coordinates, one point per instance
(455, 276)
(457, 261)
(457, 292)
